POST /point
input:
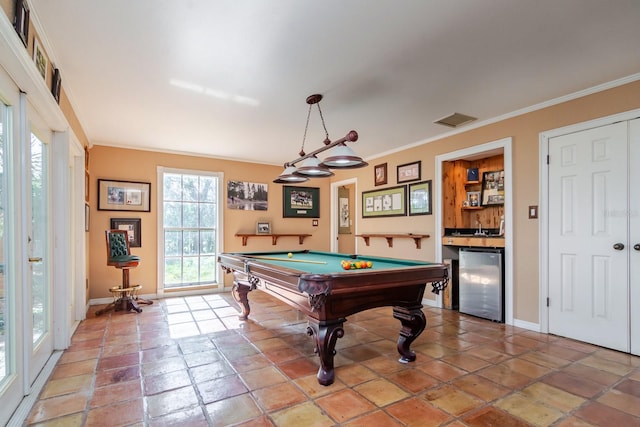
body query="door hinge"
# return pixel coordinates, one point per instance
(548, 157)
(547, 301)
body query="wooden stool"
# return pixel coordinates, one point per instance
(119, 256)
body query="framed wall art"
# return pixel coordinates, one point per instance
(420, 198)
(344, 211)
(493, 188)
(40, 58)
(388, 202)
(380, 174)
(56, 84)
(263, 227)
(247, 196)
(409, 172)
(21, 21)
(473, 199)
(87, 212)
(124, 196)
(133, 227)
(300, 202)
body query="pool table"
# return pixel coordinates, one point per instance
(316, 284)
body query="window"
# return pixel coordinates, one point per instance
(190, 218)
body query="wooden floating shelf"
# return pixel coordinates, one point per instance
(417, 238)
(274, 237)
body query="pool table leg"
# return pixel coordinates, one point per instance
(325, 335)
(413, 323)
(239, 292)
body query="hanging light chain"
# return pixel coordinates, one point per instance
(327, 141)
(306, 127)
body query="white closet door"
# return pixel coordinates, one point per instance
(634, 232)
(588, 236)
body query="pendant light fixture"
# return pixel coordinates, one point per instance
(310, 166)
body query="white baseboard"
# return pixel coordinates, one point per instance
(526, 325)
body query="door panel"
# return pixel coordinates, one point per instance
(11, 338)
(588, 286)
(634, 233)
(38, 279)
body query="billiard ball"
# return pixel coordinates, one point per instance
(290, 255)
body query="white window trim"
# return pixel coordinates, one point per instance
(161, 170)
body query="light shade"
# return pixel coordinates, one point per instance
(343, 157)
(289, 176)
(311, 167)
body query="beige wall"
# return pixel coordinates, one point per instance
(524, 130)
(8, 7)
(134, 165)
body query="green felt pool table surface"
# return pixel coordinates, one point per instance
(315, 262)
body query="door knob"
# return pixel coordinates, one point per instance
(636, 246)
(618, 246)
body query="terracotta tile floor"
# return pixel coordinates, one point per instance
(190, 362)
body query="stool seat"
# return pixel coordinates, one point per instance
(123, 259)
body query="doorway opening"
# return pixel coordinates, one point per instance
(495, 148)
(335, 213)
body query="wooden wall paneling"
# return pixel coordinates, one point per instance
(448, 196)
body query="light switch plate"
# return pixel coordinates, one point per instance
(533, 212)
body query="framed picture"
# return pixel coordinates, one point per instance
(133, 228)
(409, 172)
(86, 158)
(387, 202)
(87, 211)
(300, 202)
(247, 196)
(344, 211)
(124, 196)
(56, 84)
(493, 188)
(473, 199)
(263, 227)
(472, 175)
(21, 21)
(420, 198)
(40, 58)
(380, 174)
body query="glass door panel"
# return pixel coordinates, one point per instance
(40, 297)
(38, 277)
(4, 290)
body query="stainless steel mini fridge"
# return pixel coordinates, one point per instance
(481, 283)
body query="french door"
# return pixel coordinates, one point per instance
(38, 315)
(11, 335)
(26, 341)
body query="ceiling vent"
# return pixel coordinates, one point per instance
(454, 120)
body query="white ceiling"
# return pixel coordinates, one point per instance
(229, 78)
